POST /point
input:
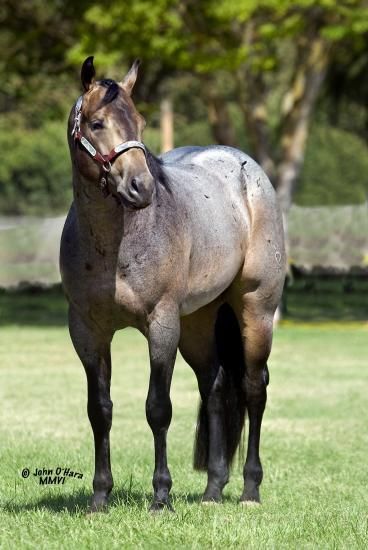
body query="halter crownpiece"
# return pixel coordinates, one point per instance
(104, 160)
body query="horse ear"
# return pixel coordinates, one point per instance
(130, 78)
(87, 73)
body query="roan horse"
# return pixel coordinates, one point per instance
(188, 248)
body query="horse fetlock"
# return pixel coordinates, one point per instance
(218, 476)
(99, 502)
(162, 482)
(103, 483)
(253, 475)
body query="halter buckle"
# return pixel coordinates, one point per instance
(107, 166)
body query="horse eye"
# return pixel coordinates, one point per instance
(96, 125)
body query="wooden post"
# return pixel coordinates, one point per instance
(167, 125)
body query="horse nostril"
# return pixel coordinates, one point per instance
(135, 185)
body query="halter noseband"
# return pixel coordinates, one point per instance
(104, 160)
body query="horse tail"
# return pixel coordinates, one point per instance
(229, 383)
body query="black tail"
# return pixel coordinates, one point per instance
(230, 377)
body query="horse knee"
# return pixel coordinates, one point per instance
(161, 480)
(158, 413)
(100, 413)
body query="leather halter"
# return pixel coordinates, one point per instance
(104, 160)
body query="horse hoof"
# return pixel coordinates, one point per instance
(210, 502)
(93, 509)
(98, 504)
(249, 503)
(211, 496)
(159, 506)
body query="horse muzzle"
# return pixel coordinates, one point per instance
(136, 192)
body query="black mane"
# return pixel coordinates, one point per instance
(155, 166)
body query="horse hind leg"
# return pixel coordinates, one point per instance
(211, 344)
(256, 320)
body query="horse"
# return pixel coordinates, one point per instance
(188, 248)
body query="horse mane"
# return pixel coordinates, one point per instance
(111, 92)
(155, 166)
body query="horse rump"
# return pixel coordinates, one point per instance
(229, 386)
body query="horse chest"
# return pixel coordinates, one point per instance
(109, 306)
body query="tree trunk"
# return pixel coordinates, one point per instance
(297, 109)
(252, 94)
(167, 125)
(218, 116)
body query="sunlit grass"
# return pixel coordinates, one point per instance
(314, 448)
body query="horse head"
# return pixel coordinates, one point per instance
(105, 133)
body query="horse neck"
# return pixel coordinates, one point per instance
(99, 217)
(104, 223)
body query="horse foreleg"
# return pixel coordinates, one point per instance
(93, 349)
(163, 338)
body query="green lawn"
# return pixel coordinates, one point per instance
(314, 447)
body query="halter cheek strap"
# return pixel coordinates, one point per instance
(104, 160)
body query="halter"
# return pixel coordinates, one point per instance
(104, 160)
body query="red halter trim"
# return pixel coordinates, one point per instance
(106, 160)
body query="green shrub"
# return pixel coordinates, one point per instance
(35, 172)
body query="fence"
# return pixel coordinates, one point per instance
(326, 237)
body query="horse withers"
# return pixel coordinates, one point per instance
(187, 248)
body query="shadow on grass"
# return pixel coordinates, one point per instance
(77, 503)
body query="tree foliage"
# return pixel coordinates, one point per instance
(265, 45)
(254, 72)
(35, 170)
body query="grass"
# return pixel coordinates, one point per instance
(314, 446)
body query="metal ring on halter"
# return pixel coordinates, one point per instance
(107, 166)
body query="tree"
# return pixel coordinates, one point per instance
(276, 53)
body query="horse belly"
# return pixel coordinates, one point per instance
(212, 274)
(195, 301)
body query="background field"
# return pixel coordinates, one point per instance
(314, 444)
